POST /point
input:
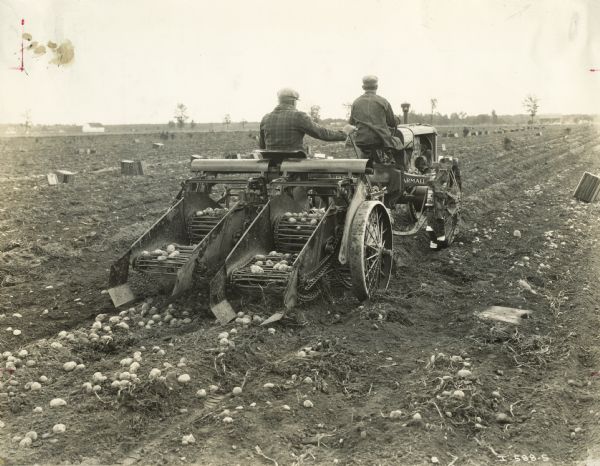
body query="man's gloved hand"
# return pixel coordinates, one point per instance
(349, 129)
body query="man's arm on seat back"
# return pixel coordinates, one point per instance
(318, 131)
(391, 119)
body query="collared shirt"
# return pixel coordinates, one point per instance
(284, 129)
(373, 116)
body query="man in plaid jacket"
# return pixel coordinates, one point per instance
(284, 128)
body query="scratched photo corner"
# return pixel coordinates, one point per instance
(294, 233)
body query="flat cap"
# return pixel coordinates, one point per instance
(370, 82)
(287, 93)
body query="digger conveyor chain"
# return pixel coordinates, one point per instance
(291, 237)
(270, 279)
(200, 226)
(322, 269)
(170, 266)
(307, 296)
(288, 238)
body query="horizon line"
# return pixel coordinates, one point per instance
(238, 122)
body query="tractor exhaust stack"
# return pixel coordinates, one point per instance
(405, 109)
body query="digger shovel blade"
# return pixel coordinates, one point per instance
(223, 312)
(121, 295)
(274, 318)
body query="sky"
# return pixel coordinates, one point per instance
(136, 59)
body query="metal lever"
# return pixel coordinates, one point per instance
(356, 150)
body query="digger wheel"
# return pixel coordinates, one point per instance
(410, 217)
(370, 249)
(447, 205)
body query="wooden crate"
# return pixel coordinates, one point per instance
(588, 188)
(52, 179)
(131, 167)
(65, 176)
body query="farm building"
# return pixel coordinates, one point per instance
(92, 128)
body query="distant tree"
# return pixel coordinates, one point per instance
(531, 104)
(243, 122)
(27, 121)
(171, 124)
(462, 115)
(192, 124)
(227, 120)
(414, 117)
(433, 107)
(482, 119)
(315, 113)
(494, 117)
(181, 115)
(439, 119)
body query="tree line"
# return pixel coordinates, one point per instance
(531, 105)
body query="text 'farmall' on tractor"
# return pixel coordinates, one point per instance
(287, 225)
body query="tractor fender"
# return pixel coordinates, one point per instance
(359, 197)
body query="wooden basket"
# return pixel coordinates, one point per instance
(588, 188)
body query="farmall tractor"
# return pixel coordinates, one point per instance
(288, 225)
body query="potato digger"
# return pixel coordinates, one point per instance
(294, 227)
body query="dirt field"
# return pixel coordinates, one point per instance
(531, 393)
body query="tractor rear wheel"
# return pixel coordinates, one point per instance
(370, 249)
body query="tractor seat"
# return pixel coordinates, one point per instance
(377, 153)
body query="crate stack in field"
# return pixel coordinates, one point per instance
(588, 188)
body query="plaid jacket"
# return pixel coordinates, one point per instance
(284, 129)
(373, 116)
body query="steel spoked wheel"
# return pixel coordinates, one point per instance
(447, 206)
(370, 249)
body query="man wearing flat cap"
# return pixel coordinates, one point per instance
(374, 118)
(284, 128)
